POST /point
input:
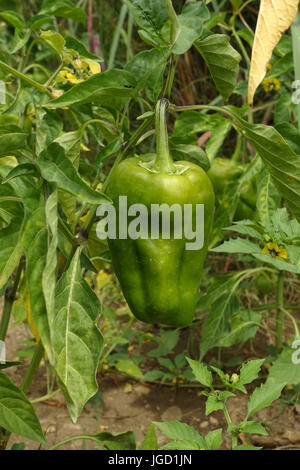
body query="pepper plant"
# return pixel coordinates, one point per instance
(69, 116)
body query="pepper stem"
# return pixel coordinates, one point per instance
(163, 161)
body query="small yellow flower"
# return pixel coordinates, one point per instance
(66, 75)
(94, 66)
(32, 116)
(271, 84)
(274, 250)
(63, 73)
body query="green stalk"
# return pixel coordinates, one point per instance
(280, 311)
(129, 53)
(296, 54)
(23, 77)
(237, 150)
(10, 295)
(175, 28)
(163, 161)
(228, 419)
(174, 20)
(73, 438)
(116, 37)
(33, 367)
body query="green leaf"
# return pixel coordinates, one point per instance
(71, 142)
(282, 110)
(246, 447)
(17, 415)
(223, 284)
(238, 245)
(11, 141)
(77, 342)
(190, 23)
(153, 375)
(24, 169)
(243, 326)
(37, 21)
(48, 128)
(130, 368)
(73, 43)
(180, 432)
(285, 369)
(250, 371)
(268, 197)
(167, 363)
(150, 440)
(10, 248)
(291, 135)
(167, 343)
(49, 272)
(222, 60)
(214, 439)
(213, 404)
(123, 441)
(20, 39)
(150, 15)
(9, 364)
(63, 9)
(245, 227)
(201, 372)
(191, 153)
(148, 68)
(281, 161)
(13, 18)
(55, 40)
(105, 89)
(55, 167)
(35, 244)
(217, 320)
(263, 396)
(279, 264)
(191, 123)
(252, 427)
(182, 444)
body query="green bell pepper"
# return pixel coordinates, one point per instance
(160, 278)
(224, 171)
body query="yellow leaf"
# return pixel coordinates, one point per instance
(274, 18)
(94, 66)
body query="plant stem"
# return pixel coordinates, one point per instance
(116, 37)
(163, 161)
(129, 53)
(237, 150)
(33, 367)
(45, 397)
(174, 20)
(228, 419)
(54, 75)
(73, 438)
(10, 295)
(99, 121)
(280, 311)
(175, 28)
(23, 77)
(287, 313)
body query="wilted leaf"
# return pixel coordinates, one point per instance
(273, 19)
